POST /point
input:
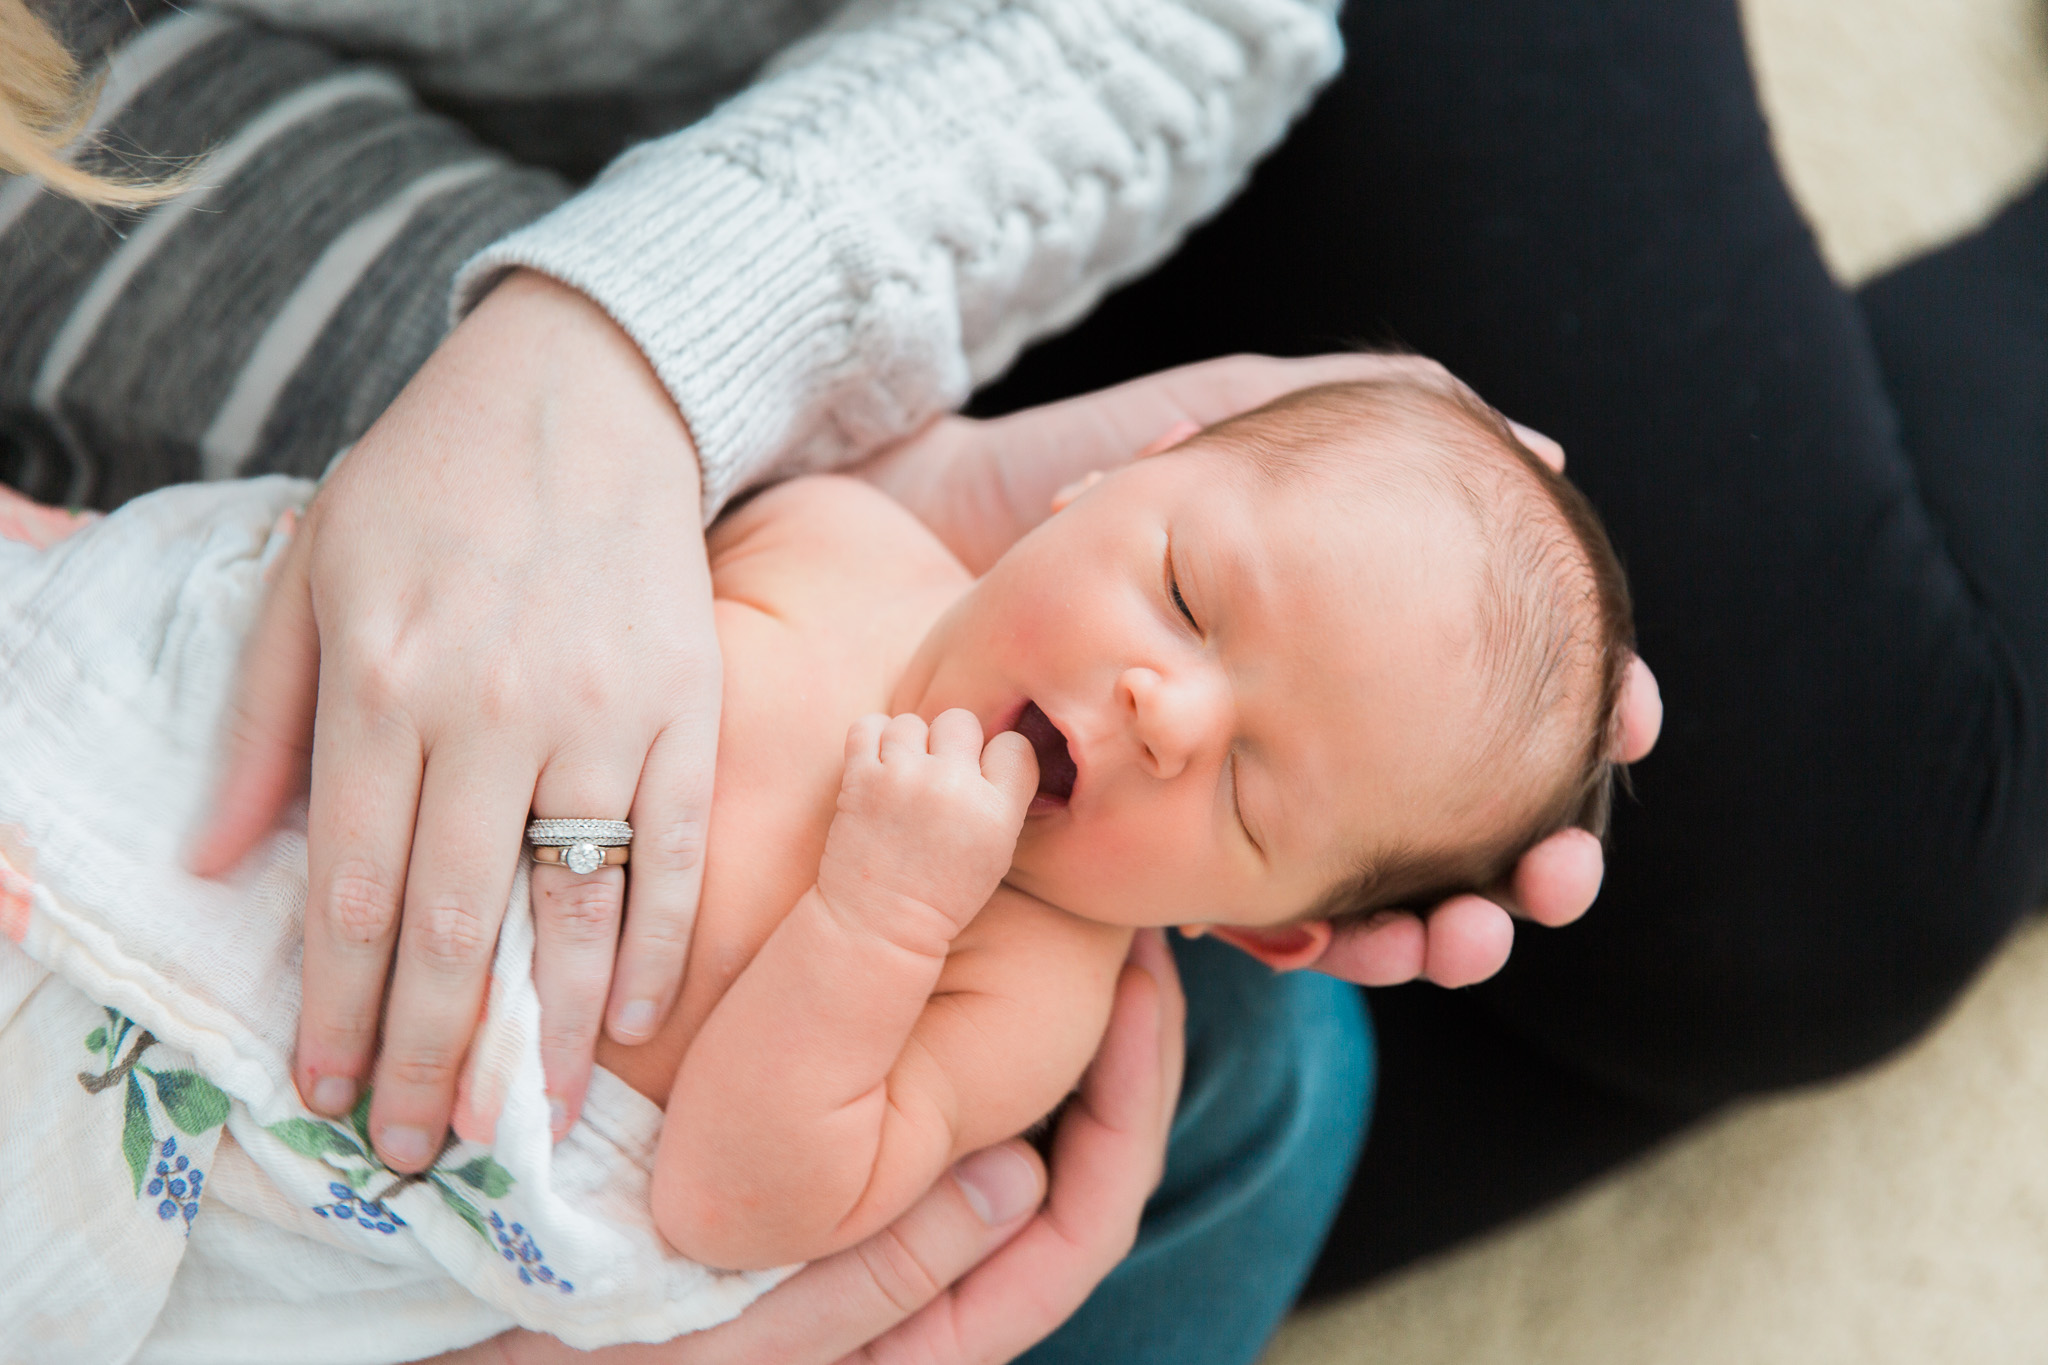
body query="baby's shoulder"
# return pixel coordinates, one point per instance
(822, 535)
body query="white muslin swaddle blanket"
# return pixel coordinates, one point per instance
(163, 1194)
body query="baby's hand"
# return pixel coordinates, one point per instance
(927, 824)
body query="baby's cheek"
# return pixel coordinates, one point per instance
(1127, 876)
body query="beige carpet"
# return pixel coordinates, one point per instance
(1901, 1216)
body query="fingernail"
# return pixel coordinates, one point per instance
(558, 1116)
(333, 1094)
(636, 1020)
(407, 1146)
(999, 1184)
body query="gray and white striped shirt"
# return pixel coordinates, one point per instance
(894, 197)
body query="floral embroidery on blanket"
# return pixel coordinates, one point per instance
(516, 1245)
(350, 1153)
(191, 1103)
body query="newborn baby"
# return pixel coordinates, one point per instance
(1356, 649)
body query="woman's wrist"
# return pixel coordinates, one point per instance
(581, 345)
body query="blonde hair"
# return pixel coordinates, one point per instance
(44, 105)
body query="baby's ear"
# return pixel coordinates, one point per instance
(1284, 947)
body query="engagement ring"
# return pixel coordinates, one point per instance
(582, 857)
(580, 845)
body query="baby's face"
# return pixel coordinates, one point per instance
(1234, 687)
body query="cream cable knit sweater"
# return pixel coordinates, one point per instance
(904, 196)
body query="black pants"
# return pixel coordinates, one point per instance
(1834, 511)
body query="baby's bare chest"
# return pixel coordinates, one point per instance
(808, 647)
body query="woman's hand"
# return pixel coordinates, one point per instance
(501, 603)
(1467, 939)
(981, 485)
(969, 1274)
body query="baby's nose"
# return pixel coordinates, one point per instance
(1172, 719)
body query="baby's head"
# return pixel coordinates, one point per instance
(1359, 648)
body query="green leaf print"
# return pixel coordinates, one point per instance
(313, 1139)
(194, 1103)
(138, 1140)
(359, 1119)
(464, 1208)
(482, 1173)
(96, 1041)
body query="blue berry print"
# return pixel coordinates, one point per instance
(191, 1103)
(351, 1207)
(179, 1179)
(516, 1245)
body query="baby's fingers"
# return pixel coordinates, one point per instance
(1009, 765)
(956, 735)
(864, 739)
(904, 740)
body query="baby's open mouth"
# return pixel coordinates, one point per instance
(1055, 765)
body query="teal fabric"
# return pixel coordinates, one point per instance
(1272, 1115)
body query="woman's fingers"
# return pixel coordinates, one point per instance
(1149, 951)
(465, 845)
(1469, 939)
(270, 723)
(1544, 448)
(1385, 950)
(576, 917)
(671, 817)
(840, 1304)
(367, 769)
(1463, 941)
(576, 935)
(1642, 712)
(1557, 881)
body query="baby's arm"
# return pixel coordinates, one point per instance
(863, 1049)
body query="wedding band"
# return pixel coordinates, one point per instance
(580, 845)
(562, 833)
(614, 856)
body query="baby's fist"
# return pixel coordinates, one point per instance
(928, 820)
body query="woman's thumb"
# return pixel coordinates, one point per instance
(269, 733)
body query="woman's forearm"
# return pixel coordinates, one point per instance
(911, 195)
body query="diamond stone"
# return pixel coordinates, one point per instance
(582, 857)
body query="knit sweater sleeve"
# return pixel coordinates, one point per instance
(909, 196)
